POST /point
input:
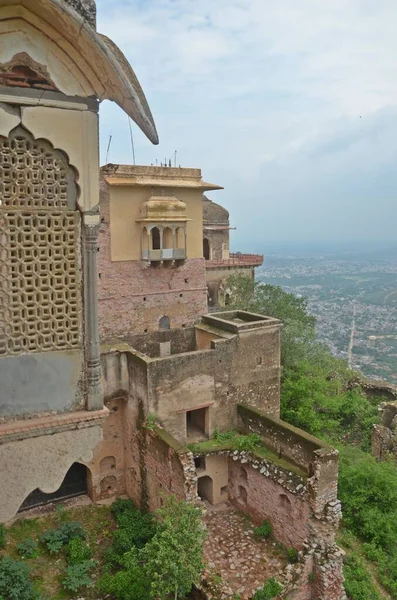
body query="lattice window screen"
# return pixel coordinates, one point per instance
(40, 303)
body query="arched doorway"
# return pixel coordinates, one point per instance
(206, 249)
(74, 484)
(205, 488)
(164, 324)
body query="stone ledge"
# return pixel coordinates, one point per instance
(19, 430)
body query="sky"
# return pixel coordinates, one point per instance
(290, 105)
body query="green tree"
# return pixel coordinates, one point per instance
(174, 557)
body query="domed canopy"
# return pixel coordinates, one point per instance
(214, 214)
(163, 208)
(61, 37)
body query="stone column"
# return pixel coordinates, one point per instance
(92, 349)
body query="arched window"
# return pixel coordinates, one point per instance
(155, 235)
(167, 237)
(180, 238)
(164, 324)
(206, 249)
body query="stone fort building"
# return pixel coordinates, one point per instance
(110, 366)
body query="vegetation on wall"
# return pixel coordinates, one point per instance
(321, 395)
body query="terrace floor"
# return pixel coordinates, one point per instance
(235, 555)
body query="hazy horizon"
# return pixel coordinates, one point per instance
(290, 106)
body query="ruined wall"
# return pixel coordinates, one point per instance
(107, 467)
(384, 436)
(133, 296)
(169, 469)
(180, 340)
(243, 368)
(263, 498)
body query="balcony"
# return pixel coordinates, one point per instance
(236, 260)
(164, 254)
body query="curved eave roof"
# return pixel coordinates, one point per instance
(113, 78)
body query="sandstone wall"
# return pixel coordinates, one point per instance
(133, 296)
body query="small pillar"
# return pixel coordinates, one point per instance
(93, 358)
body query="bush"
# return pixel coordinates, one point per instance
(131, 583)
(292, 555)
(55, 539)
(15, 582)
(358, 582)
(270, 590)
(27, 548)
(78, 551)
(264, 530)
(121, 506)
(3, 536)
(247, 442)
(135, 529)
(76, 576)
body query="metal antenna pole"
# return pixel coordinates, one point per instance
(132, 141)
(107, 151)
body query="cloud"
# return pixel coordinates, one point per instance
(299, 96)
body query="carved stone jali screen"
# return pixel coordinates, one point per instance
(40, 282)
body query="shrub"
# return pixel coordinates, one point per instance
(358, 581)
(131, 583)
(135, 529)
(55, 539)
(264, 530)
(27, 548)
(121, 506)
(271, 589)
(76, 576)
(3, 536)
(78, 551)
(247, 442)
(292, 555)
(15, 582)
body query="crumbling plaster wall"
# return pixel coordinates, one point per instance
(41, 462)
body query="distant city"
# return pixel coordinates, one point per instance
(354, 298)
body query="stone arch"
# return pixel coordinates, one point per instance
(242, 495)
(109, 485)
(205, 488)
(107, 463)
(243, 475)
(164, 323)
(75, 483)
(206, 249)
(167, 237)
(155, 237)
(180, 238)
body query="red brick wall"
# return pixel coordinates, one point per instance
(164, 471)
(132, 296)
(269, 501)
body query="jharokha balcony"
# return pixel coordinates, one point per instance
(236, 260)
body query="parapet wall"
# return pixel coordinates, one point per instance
(319, 460)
